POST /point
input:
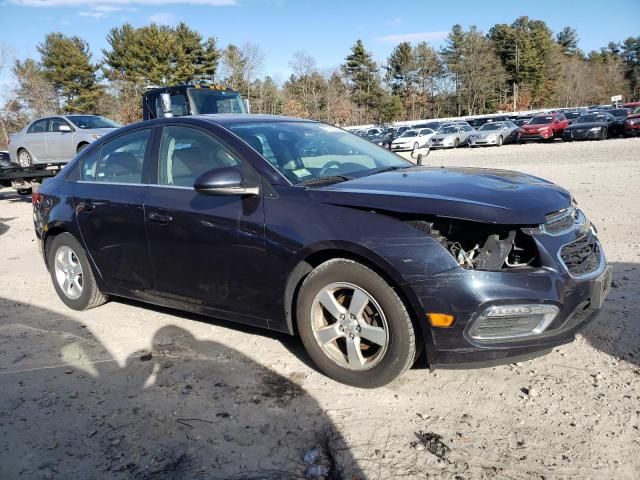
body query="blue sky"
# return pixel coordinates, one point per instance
(323, 28)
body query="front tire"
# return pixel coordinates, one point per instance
(354, 326)
(72, 275)
(456, 144)
(81, 147)
(499, 142)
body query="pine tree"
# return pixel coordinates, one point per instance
(568, 38)
(66, 63)
(363, 78)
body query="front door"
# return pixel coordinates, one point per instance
(60, 145)
(206, 250)
(109, 204)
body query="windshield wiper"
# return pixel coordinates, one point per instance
(325, 180)
(390, 169)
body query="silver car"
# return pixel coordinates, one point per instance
(452, 136)
(412, 139)
(495, 133)
(57, 139)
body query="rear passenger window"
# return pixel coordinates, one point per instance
(122, 158)
(39, 126)
(186, 153)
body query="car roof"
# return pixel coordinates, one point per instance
(237, 118)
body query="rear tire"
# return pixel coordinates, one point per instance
(367, 349)
(24, 158)
(72, 275)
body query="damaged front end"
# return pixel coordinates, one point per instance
(482, 246)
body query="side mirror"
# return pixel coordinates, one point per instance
(224, 181)
(165, 100)
(247, 105)
(64, 128)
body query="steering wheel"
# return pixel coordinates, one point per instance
(327, 166)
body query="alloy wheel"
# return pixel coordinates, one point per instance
(68, 270)
(24, 159)
(349, 326)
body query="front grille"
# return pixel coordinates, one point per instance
(581, 256)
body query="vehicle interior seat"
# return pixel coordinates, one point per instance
(122, 167)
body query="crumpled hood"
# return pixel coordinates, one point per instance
(484, 195)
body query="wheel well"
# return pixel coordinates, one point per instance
(317, 258)
(51, 233)
(80, 145)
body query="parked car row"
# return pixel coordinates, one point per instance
(597, 122)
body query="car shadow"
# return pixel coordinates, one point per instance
(182, 408)
(616, 330)
(12, 196)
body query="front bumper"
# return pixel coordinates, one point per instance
(534, 136)
(483, 141)
(442, 144)
(467, 293)
(579, 134)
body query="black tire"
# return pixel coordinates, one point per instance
(499, 142)
(24, 158)
(81, 147)
(604, 134)
(91, 296)
(401, 349)
(456, 144)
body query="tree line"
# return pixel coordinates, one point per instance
(514, 66)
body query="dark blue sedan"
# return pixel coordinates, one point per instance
(302, 227)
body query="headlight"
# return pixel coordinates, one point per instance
(96, 136)
(541, 129)
(595, 129)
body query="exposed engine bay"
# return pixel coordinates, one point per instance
(482, 246)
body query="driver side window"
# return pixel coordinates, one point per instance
(187, 152)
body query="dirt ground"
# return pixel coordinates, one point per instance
(130, 391)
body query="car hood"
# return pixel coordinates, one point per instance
(583, 126)
(536, 126)
(404, 139)
(487, 133)
(443, 136)
(484, 195)
(95, 131)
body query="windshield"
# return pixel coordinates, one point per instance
(448, 130)
(621, 112)
(572, 115)
(490, 126)
(205, 100)
(597, 118)
(410, 133)
(92, 121)
(305, 152)
(541, 120)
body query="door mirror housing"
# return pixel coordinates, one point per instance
(64, 128)
(224, 181)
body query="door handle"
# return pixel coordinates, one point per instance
(86, 206)
(159, 217)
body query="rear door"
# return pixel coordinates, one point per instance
(60, 145)
(206, 250)
(108, 200)
(35, 140)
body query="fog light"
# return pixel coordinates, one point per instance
(505, 322)
(440, 319)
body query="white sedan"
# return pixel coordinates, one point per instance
(413, 139)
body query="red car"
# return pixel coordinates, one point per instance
(632, 124)
(543, 127)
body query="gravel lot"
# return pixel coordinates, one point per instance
(133, 391)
